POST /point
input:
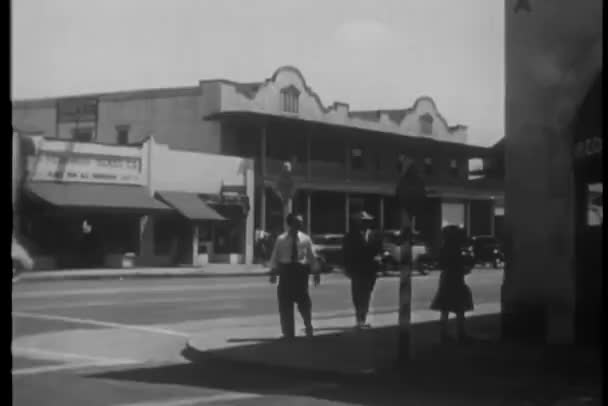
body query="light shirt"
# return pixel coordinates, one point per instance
(281, 254)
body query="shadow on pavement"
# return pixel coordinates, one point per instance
(484, 372)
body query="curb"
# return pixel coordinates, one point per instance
(196, 355)
(43, 278)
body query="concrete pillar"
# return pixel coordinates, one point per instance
(195, 238)
(381, 214)
(347, 212)
(308, 212)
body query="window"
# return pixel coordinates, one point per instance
(122, 135)
(454, 167)
(426, 124)
(428, 166)
(82, 134)
(289, 99)
(356, 158)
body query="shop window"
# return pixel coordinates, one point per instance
(122, 135)
(165, 233)
(595, 206)
(428, 166)
(357, 159)
(82, 134)
(290, 99)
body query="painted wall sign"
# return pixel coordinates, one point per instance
(77, 110)
(90, 168)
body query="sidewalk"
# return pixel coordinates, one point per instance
(210, 270)
(486, 367)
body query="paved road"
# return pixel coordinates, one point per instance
(118, 342)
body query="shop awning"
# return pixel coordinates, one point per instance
(190, 206)
(95, 196)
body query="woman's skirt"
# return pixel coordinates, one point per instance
(453, 295)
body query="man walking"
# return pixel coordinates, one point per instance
(360, 250)
(293, 260)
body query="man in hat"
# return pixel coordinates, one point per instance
(360, 250)
(293, 259)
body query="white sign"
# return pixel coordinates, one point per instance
(88, 168)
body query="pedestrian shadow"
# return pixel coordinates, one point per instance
(481, 372)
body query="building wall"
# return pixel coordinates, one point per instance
(546, 78)
(38, 117)
(267, 99)
(203, 173)
(175, 117)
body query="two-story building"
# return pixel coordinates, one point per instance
(341, 159)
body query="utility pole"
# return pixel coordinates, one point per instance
(410, 192)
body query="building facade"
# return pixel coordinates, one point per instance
(84, 204)
(342, 160)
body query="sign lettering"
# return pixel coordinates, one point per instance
(76, 167)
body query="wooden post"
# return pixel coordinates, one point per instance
(308, 212)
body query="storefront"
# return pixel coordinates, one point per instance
(588, 168)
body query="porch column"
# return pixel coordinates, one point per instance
(308, 154)
(381, 214)
(195, 231)
(263, 143)
(492, 225)
(347, 211)
(467, 214)
(146, 239)
(263, 208)
(308, 212)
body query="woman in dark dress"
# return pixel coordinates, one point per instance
(453, 294)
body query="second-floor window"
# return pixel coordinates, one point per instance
(428, 166)
(290, 99)
(356, 159)
(454, 167)
(122, 135)
(84, 134)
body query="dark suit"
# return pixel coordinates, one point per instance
(361, 268)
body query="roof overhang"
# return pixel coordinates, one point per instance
(261, 119)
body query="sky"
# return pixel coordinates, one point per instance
(374, 54)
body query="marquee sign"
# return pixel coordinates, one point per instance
(89, 168)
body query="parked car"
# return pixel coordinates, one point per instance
(486, 249)
(328, 248)
(421, 252)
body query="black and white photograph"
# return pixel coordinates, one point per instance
(290, 202)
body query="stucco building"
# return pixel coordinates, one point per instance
(341, 158)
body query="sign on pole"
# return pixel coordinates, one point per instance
(410, 192)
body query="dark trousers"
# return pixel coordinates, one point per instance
(361, 289)
(293, 287)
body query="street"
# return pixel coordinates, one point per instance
(73, 339)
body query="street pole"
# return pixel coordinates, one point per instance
(410, 192)
(405, 289)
